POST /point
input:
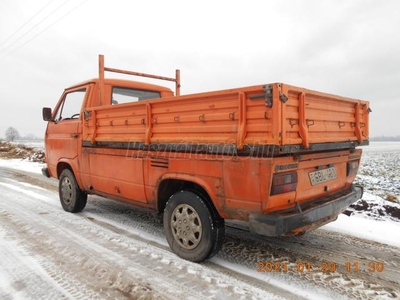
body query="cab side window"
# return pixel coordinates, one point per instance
(71, 105)
(126, 95)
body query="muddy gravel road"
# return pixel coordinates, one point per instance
(114, 251)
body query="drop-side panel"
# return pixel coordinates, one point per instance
(311, 117)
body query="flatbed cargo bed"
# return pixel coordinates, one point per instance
(262, 120)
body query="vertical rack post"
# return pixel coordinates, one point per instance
(177, 83)
(101, 78)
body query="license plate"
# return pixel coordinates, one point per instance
(322, 175)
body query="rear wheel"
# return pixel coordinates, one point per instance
(72, 198)
(193, 230)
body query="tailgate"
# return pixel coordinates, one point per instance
(310, 118)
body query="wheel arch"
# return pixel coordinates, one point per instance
(64, 164)
(169, 185)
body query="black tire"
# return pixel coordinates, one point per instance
(219, 224)
(193, 230)
(72, 198)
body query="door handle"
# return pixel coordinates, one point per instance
(74, 135)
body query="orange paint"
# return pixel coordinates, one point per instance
(226, 145)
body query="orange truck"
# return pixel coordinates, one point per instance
(282, 158)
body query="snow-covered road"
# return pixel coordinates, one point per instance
(113, 251)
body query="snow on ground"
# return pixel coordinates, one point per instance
(379, 171)
(381, 163)
(372, 223)
(361, 224)
(22, 164)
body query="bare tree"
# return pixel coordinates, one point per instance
(12, 134)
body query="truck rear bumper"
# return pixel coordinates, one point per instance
(284, 223)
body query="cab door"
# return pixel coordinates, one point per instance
(108, 165)
(64, 132)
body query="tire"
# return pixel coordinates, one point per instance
(193, 230)
(72, 198)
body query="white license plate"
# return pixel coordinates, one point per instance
(322, 175)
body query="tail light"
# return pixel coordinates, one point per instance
(352, 167)
(284, 183)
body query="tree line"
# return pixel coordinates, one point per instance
(12, 135)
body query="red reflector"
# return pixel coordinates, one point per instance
(280, 189)
(284, 183)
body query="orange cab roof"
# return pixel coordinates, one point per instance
(125, 83)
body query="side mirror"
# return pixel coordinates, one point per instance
(47, 115)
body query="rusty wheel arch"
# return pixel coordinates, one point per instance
(168, 187)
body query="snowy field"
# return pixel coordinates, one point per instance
(380, 169)
(110, 231)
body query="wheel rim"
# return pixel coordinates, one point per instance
(66, 190)
(186, 226)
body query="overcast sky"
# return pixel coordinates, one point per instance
(345, 47)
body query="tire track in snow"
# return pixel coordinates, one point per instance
(115, 261)
(317, 247)
(25, 278)
(244, 249)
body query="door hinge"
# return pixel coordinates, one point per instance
(268, 95)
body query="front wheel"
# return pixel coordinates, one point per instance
(72, 198)
(193, 231)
